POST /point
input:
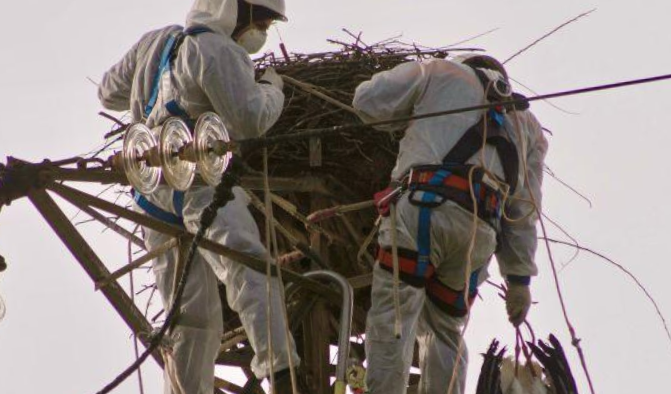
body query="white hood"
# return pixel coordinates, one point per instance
(218, 15)
(222, 15)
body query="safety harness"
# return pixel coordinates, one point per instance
(431, 185)
(170, 50)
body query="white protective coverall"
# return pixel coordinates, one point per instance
(413, 89)
(210, 73)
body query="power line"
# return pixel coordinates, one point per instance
(336, 130)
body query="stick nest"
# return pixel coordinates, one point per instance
(362, 159)
(356, 164)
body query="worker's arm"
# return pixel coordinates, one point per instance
(114, 90)
(518, 240)
(390, 94)
(227, 78)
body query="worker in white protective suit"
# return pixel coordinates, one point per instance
(442, 245)
(210, 70)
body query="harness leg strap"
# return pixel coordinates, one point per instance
(449, 300)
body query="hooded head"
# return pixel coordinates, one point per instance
(492, 69)
(222, 15)
(478, 60)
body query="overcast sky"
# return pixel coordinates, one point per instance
(60, 336)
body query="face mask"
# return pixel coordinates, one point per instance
(252, 40)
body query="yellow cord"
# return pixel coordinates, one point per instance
(394, 257)
(269, 356)
(471, 246)
(271, 241)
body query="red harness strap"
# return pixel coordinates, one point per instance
(449, 300)
(407, 266)
(455, 187)
(423, 176)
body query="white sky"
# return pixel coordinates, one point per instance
(62, 337)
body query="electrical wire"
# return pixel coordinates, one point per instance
(338, 130)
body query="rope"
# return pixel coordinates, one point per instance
(474, 230)
(574, 340)
(369, 239)
(471, 245)
(394, 257)
(269, 332)
(337, 210)
(467, 276)
(270, 228)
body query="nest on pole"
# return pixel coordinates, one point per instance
(352, 165)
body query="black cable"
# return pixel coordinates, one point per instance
(222, 195)
(336, 130)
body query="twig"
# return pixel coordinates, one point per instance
(154, 253)
(575, 341)
(136, 347)
(571, 188)
(472, 38)
(357, 37)
(547, 35)
(627, 272)
(563, 231)
(311, 89)
(112, 118)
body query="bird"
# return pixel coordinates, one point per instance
(550, 373)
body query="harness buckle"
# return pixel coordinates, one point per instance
(385, 197)
(428, 191)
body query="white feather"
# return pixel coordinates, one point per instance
(525, 382)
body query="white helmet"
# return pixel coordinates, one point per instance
(273, 5)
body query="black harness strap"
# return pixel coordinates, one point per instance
(191, 31)
(472, 141)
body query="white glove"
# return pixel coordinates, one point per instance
(272, 77)
(518, 302)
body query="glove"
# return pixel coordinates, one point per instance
(272, 77)
(518, 302)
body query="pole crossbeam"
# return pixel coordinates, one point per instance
(92, 264)
(79, 198)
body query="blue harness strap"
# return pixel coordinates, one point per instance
(452, 301)
(158, 213)
(195, 30)
(472, 290)
(165, 64)
(497, 117)
(424, 224)
(178, 202)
